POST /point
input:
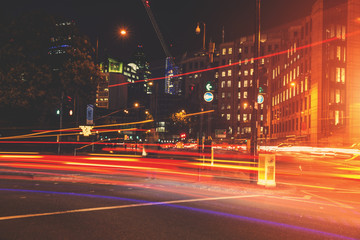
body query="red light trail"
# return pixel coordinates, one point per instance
(240, 62)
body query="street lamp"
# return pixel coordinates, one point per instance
(123, 32)
(198, 30)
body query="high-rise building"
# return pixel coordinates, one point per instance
(235, 84)
(311, 77)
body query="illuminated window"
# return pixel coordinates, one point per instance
(245, 117)
(338, 75)
(222, 95)
(287, 94)
(337, 96)
(337, 117)
(229, 95)
(230, 50)
(338, 53)
(228, 117)
(222, 107)
(246, 72)
(229, 73)
(298, 71)
(245, 83)
(240, 50)
(217, 75)
(229, 83)
(245, 94)
(302, 86)
(223, 51)
(223, 73)
(342, 75)
(251, 71)
(230, 61)
(239, 84)
(239, 95)
(338, 31)
(222, 84)
(228, 107)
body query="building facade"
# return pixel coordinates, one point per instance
(309, 69)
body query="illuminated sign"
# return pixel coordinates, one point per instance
(86, 130)
(115, 66)
(209, 87)
(208, 97)
(260, 99)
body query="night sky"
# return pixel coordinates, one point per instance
(176, 19)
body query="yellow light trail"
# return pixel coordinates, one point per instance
(224, 161)
(226, 166)
(198, 113)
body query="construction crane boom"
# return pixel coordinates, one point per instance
(156, 28)
(172, 84)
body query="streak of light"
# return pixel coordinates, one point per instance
(109, 165)
(198, 113)
(329, 200)
(112, 159)
(20, 156)
(31, 135)
(142, 203)
(224, 161)
(240, 62)
(114, 155)
(19, 152)
(306, 185)
(225, 166)
(56, 167)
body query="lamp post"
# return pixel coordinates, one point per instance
(198, 30)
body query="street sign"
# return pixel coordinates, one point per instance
(260, 99)
(208, 97)
(90, 114)
(86, 130)
(209, 87)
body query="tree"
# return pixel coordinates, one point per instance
(29, 82)
(179, 122)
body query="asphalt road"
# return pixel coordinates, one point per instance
(142, 208)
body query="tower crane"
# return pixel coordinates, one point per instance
(172, 85)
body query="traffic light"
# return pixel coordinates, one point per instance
(69, 105)
(263, 80)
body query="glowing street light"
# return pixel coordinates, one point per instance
(123, 32)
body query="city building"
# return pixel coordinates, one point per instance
(308, 76)
(235, 84)
(315, 84)
(117, 90)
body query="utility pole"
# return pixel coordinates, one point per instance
(60, 122)
(254, 115)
